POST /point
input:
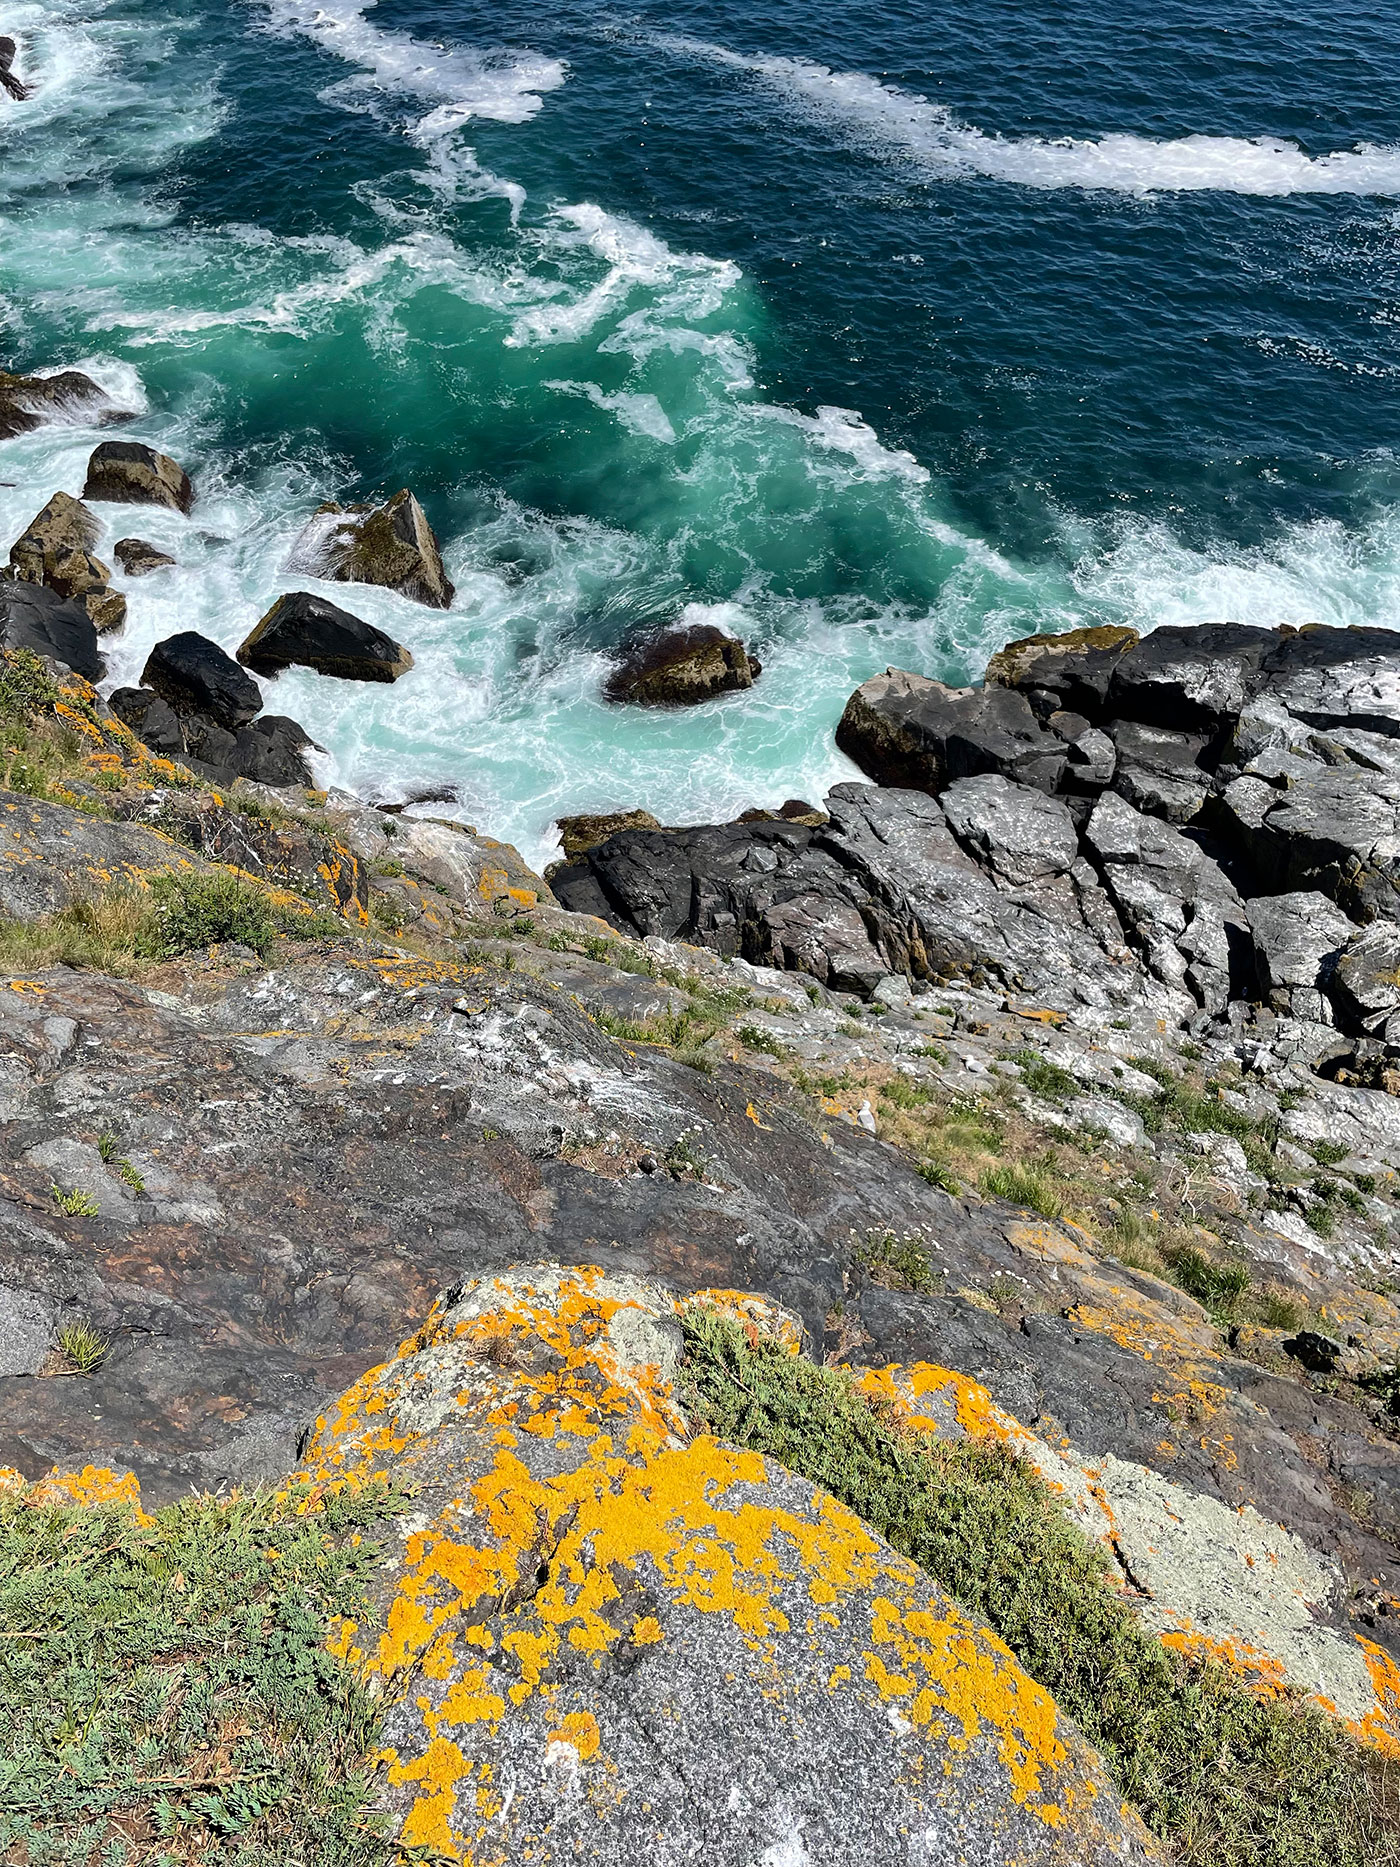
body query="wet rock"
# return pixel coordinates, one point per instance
(9, 83)
(196, 677)
(1071, 671)
(36, 618)
(139, 559)
(55, 549)
(391, 545)
(273, 750)
(129, 473)
(153, 720)
(905, 730)
(1298, 939)
(306, 631)
(581, 833)
(1160, 772)
(1189, 680)
(27, 402)
(270, 750)
(681, 667)
(1019, 834)
(787, 1749)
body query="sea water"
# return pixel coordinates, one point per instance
(875, 335)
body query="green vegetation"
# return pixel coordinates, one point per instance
(939, 1175)
(84, 1346)
(1384, 1383)
(168, 1679)
(1329, 1153)
(1216, 1287)
(1226, 1779)
(76, 1203)
(897, 1261)
(1043, 1078)
(1025, 1183)
(754, 1037)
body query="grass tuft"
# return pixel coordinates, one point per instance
(1024, 1184)
(84, 1346)
(1225, 1778)
(75, 1202)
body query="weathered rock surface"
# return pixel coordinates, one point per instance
(681, 667)
(391, 545)
(55, 549)
(49, 854)
(27, 402)
(578, 834)
(731, 1719)
(38, 619)
(139, 559)
(306, 631)
(131, 474)
(906, 730)
(195, 676)
(13, 86)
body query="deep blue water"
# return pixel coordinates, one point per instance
(879, 333)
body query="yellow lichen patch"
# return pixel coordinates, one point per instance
(759, 1313)
(1381, 1726)
(94, 1484)
(1047, 1242)
(580, 1729)
(930, 1398)
(1258, 1669)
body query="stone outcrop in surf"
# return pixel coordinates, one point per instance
(55, 549)
(391, 545)
(27, 402)
(301, 630)
(682, 666)
(130, 473)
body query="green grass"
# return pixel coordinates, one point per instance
(84, 1346)
(1043, 1078)
(754, 1037)
(897, 1261)
(1024, 1184)
(171, 1678)
(1226, 1779)
(76, 1203)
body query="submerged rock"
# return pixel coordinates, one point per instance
(55, 549)
(391, 545)
(139, 559)
(36, 618)
(196, 676)
(728, 1715)
(131, 474)
(301, 630)
(682, 666)
(27, 402)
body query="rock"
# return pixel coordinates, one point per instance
(1310, 826)
(1337, 677)
(8, 81)
(1092, 754)
(55, 549)
(138, 559)
(49, 852)
(271, 750)
(726, 1717)
(1019, 834)
(306, 631)
(1365, 980)
(26, 1331)
(1160, 772)
(1069, 671)
(905, 730)
(681, 667)
(129, 473)
(1189, 680)
(153, 720)
(36, 618)
(1318, 1353)
(27, 402)
(196, 676)
(390, 545)
(578, 834)
(1297, 941)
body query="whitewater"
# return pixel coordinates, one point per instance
(325, 251)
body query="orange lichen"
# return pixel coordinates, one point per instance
(1381, 1725)
(914, 1393)
(93, 1485)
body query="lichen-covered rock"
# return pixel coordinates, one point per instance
(55, 549)
(139, 559)
(391, 545)
(581, 833)
(611, 1642)
(36, 618)
(680, 667)
(1070, 671)
(48, 853)
(301, 630)
(27, 402)
(131, 474)
(195, 676)
(906, 730)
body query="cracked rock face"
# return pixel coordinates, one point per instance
(608, 1640)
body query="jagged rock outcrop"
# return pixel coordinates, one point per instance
(271, 749)
(724, 1715)
(391, 545)
(55, 549)
(38, 619)
(12, 86)
(27, 402)
(907, 730)
(682, 666)
(130, 473)
(306, 631)
(585, 832)
(139, 559)
(195, 676)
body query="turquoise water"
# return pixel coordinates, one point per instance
(875, 335)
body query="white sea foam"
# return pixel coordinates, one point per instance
(906, 125)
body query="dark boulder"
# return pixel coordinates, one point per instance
(1092, 756)
(271, 750)
(578, 834)
(36, 618)
(905, 730)
(1189, 680)
(390, 545)
(138, 559)
(9, 83)
(682, 666)
(1337, 677)
(301, 630)
(1160, 772)
(27, 402)
(153, 720)
(1068, 672)
(196, 676)
(129, 473)
(55, 549)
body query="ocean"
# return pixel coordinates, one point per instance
(877, 334)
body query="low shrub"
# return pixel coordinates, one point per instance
(1024, 1185)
